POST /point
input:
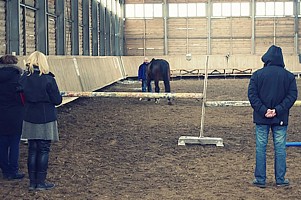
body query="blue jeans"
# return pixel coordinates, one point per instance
(144, 86)
(279, 139)
(9, 154)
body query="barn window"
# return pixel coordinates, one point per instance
(187, 10)
(230, 9)
(158, 10)
(143, 10)
(278, 9)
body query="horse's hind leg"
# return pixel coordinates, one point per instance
(167, 89)
(157, 89)
(149, 85)
(167, 86)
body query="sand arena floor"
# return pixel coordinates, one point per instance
(123, 148)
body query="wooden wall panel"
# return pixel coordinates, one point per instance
(154, 28)
(30, 40)
(220, 46)
(197, 46)
(51, 6)
(221, 28)
(51, 28)
(241, 27)
(154, 47)
(264, 27)
(30, 2)
(134, 28)
(68, 26)
(278, 31)
(177, 28)
(22, 28)
(80, 30)
(241, 46)
(51, 36)
(2, 28)
(134, 47)
(90, 28)
(286, 44)
(262, 45)
(177, 47)
(284, 27)
(197, 28)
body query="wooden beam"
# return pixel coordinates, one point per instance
(236, 103)
(134, 95)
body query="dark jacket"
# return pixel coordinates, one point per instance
(272, 87)
(142, 71)
(11, 107)
(41, 95)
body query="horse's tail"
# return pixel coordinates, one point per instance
(166, 71)
(166, 76)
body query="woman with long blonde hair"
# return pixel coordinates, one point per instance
(40, 119)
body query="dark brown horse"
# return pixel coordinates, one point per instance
(158, 69)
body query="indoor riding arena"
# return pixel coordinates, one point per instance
(117, 142)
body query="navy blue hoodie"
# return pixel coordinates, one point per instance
(272, 87)
(142, 71)
(11, 107)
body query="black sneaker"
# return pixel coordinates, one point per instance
(258, 184)
(284, 184)
(14, 176)
(32, 187)
(45, 186)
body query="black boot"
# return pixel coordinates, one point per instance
(32, 181)
(31, 164)
(41, 184)
(42, 165)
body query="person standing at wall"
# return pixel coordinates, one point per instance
(142, 75)
(272, 92)
(11, 117)
(40, 120)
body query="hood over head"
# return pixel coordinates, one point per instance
(9, 71)
(273, 57)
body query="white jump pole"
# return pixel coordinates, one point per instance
(198, 96)
(236, 104)
(183, 140)
(247, 104)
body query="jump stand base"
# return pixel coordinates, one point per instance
(183, 140)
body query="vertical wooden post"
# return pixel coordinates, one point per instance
(204, 98)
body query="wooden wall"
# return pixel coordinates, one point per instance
(68, 26)
(2, 28)
(51, 28)
(215, 36)
(198, 35)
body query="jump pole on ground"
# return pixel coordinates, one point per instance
(247, 104)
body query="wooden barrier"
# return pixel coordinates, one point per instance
(134, 95)
(236, 103)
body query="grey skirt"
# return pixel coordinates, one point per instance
(48, 131)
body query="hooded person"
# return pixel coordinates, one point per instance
(272, 91)
(11, 117)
